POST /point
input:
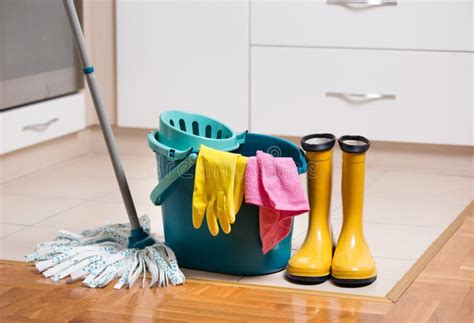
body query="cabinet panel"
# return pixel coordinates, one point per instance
(38, 122)
(427, 25)
(402, 96)
(187, 55)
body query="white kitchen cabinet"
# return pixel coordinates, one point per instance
(38, 122)
(428, 95)
(409, 24)
(187, 55)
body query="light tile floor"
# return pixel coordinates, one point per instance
(408, 205)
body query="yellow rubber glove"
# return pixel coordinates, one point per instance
(239, 183)
(218, 188)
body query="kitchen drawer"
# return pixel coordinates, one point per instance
(427, 25)
(428, 94)
(41, 121)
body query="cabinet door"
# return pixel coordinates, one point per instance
(41, 121)
(403, 96)
(186, 55)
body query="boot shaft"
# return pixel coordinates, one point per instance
(319, 182)
(319, 153)
(352, 188)
(354, 149)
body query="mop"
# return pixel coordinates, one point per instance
(120, 252)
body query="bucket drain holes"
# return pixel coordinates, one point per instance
(220, 134)
(195, 128)
(208, 131)
(182, 124)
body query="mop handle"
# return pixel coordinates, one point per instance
(88, 70)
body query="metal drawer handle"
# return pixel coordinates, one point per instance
(361, 96)
(363, 3)
(40, 126)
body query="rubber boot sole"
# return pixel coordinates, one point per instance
(353, 282)
(307, 280)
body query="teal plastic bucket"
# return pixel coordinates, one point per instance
(238, 253)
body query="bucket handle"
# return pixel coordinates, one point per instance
(241, 137)
(156, 195)
(158, 147)
(189, 160)
(302, 168)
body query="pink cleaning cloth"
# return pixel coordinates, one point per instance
(273, 184)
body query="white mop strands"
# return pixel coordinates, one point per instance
(99, 256)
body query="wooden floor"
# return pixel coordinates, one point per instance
(443, 293)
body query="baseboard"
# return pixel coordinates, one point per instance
(449, 160)
(132, 141)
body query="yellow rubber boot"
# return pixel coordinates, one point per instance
(311, 264)
(353, 264)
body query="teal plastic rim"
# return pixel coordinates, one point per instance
(181, 131)
(154, 143)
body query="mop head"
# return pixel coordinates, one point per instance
(101, 255)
